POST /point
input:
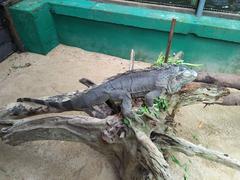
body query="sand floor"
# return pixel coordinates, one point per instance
(215, 127)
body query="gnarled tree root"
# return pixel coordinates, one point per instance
(135, 155)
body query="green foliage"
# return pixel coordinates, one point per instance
(175, 160)
(159, 104)
(126, 121)
(172, 60)
(143, 110)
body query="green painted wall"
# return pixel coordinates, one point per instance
(115, 29)
(35, 26)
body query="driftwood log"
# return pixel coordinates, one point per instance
(220, 79)
(223, 80)
(136, 149)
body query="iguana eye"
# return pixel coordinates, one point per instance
(187, 73)
(179, 77)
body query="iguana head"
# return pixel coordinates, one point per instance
(181, 75)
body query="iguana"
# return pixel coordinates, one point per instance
(149, 83)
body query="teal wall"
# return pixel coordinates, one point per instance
(116, 29)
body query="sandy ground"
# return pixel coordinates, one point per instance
(215, 127)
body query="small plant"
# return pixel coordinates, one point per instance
(126, 121)
(172, 60)
(159, 104)
(143, 110)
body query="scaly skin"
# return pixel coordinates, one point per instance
(149, 83)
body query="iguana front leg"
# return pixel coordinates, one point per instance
(126, 104)
(149, 97)
(149, 100)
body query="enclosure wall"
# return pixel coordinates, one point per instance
(116, 29)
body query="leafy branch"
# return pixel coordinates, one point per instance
(172, 60)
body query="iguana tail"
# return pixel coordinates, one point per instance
(66, 105)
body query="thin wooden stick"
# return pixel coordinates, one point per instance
(132, 59)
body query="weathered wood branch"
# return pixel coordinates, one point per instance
(151, 157)
(68, 128)
(201, 92)
(129, 154)
(178, 144)
(232, 99)
(221, 79)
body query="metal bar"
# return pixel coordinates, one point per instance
(208, 12)
(200, 8)
(170, 40)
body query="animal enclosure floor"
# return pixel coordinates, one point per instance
(34, 75)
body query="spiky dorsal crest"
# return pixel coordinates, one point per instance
(136, 71)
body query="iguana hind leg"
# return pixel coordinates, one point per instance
(95, 113)
(126, 101)
(109, 102)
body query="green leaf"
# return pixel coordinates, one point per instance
(142, 110)
(193, 65)
(161, 104)
(176, 161)
(126, 121)
(171, 60)
(184, 167)
(185, 177)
